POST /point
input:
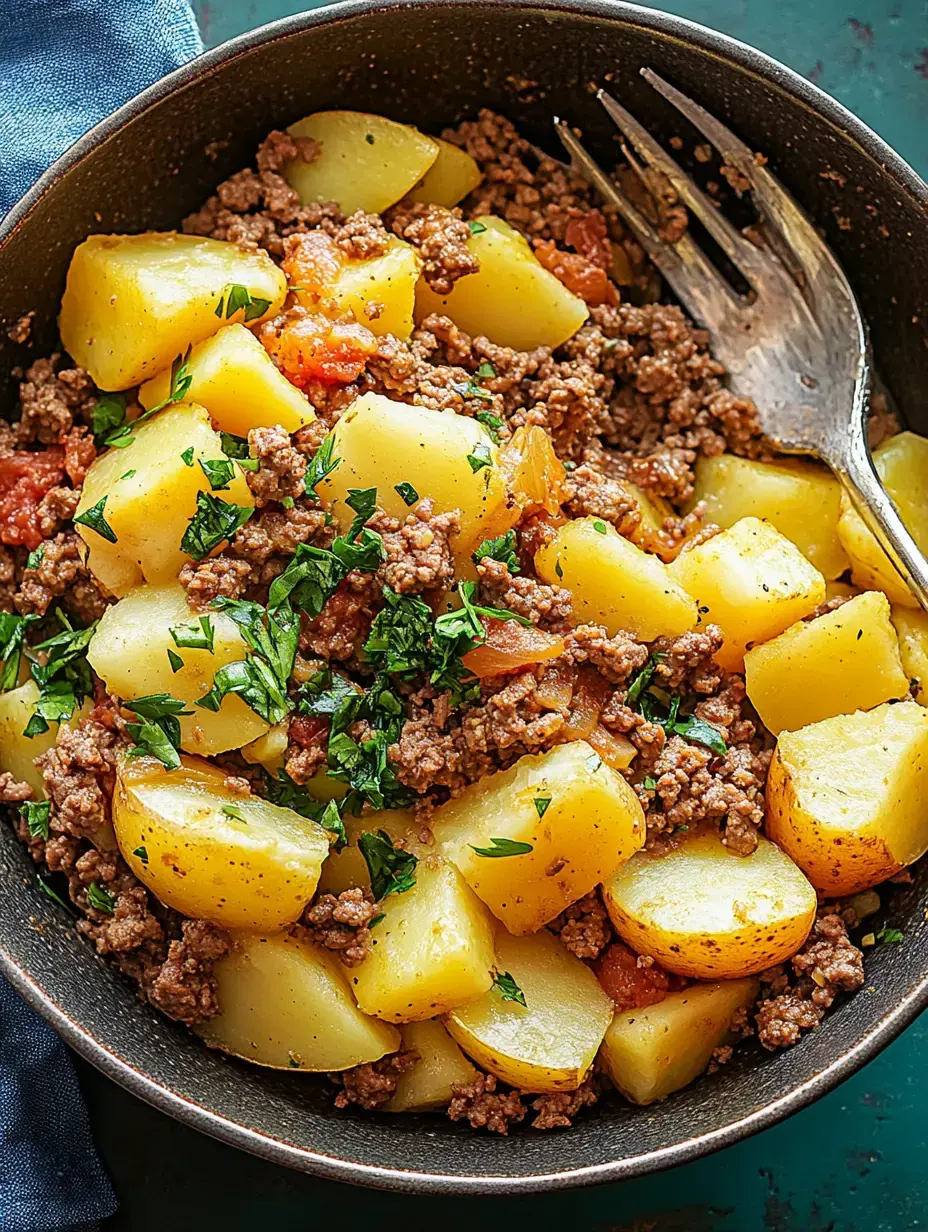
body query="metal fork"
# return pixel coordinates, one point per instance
(798, 345)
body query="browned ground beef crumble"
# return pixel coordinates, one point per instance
(634, 395)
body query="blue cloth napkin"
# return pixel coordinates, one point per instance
(64, 65)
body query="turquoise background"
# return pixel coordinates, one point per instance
(856, 1161)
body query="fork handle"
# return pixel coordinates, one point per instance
(857, 473)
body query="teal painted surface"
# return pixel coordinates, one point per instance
(852, 1163)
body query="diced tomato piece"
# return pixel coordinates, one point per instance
(578, 273)
(590, 236)
(509, 647)
(629, 985)
(24, 480)
(312, 264)
(312, 348)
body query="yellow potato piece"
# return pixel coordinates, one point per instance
(366, 162)
(441, 1066)
(18, 752)
(347, 868)
(846, 796)
(255, 866)
(912, 631)
(270, 748)
(843, 661)
(383, 443)
(236, 380)
(550, 1043)
(432, 951)
(380, 291)
(592, 824)
(133, 303)
(151, 495)
(512, 299)
(704, 911)
(650, 1052)
(752, 582)
(802, 500)
(902, 464)
(450, 178)
(287, 1004)
(129, 652)
(614, 583)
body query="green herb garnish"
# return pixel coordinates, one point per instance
(100, 899)
(502, 549)
(322, 464)
(187, 456)
(214, 522)
(407, 492)
(490, 423)
(142, 854)
(234, 297)
(391, 868)
(261, 678)
(94, 518)
(475, 227)
(890, 936)
(502, 847)
(159, 734)
(36, 814)
(198, 635)
(508, 989)
(541, 804)
(233, 810)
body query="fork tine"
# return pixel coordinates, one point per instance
(744, 254)
(697, 283)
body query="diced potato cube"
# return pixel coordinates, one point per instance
(592, 822)
(902, 464)
(512, 299)
(211, 853)
(366, 162)
(18, 752)
(549, 1043)
(433, 950)
(381, 291)
(450, 178)
(704, 911)
(269, 749)
(912, 631)
(287, 1004)
(347, 868)
(129, 652)
(614, 583)
(752, 582)
(650, 1052)
(801, 499)
(383, 443)
(238, 383)
(133, 303)
(846, 796)
(151, 495)
(441, 1066)
(843, 661)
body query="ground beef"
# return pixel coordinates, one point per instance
(79, 773)
(21, 330)
(556, 1110)
(8, 575)
(418, 550)
(185, 986)
(548, 607)
(584, 926)
(57, 507)
(267, 542)
(689, 661)
(306, 751)
(594, 495)
(616, 658)
(341, 923)
(216, 577)
(440, 237)
(282, 467)
(480, 1103)
(360, 237)
(61, 574)
(51, 400)
(343, 625)
(12, 791)
(372, 1084)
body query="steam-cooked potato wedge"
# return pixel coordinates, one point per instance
(846, 796)
(902, 464)
(432, 951)
(237, 381)
(450, 178)
(615, 583)
(592, 822)
(287, 1004)
(209, 853)
(347, 868)
(133, 303)
(18, 752)
(383, 443)
(151, 494)
(440, 1067)
(652, 1051)
(549, 1043)
(704, 911)
(800, 499)
(843, 661)
(365, 162)
(512, 299)
(129, 652)
(752, 582)
(912, 631)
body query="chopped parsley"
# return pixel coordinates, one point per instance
(237, 447)
(650, 784)
(407, 492)
(142, 854)
(697, 731)
(480, 457)
(260, 679)
(378, 919)
(309, 580)
(360, 548)
(214, 522)
(331, 819)
(108, 421)
(558, 570)
(52, 894)
(490, 423)
(475, 227)
(12, 638)
(599, 527)
(187, 456)
(642, 681)
(502, 549)
(287, 502)
(219, 471)
(233, 810)
(890, 936)
(502, 847)
(100, 899)
(175, 660)
(542, 804)
(235, 297)
(197, 635)
(391, 868)
(36, 814)
(128, 475)
(94, 518)
(508, 989)
(158, 735)
(181, 380)
(322, 464)
(470, 389)
(485, 370)
(64, 679)
(34, 559)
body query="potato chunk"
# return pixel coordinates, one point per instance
(752, 582)
(383, 443)
(151, 495)
(238, 383)
(704, 911)
(365, 162)
(270, 748)
(615, 583)
(577, 816)
(433, 950)
(440, 1067)
(652, 1051)
(18, 752)
(846, 796)
(549, 1043)
(133, 303)
(347, 868)
(450, 178)
(843, 661)
(287, 1004)
(210, 853)
(902, 464)
(802, 500)
(512, 299)
(379, 291)
(129, 652)
(912, 631)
